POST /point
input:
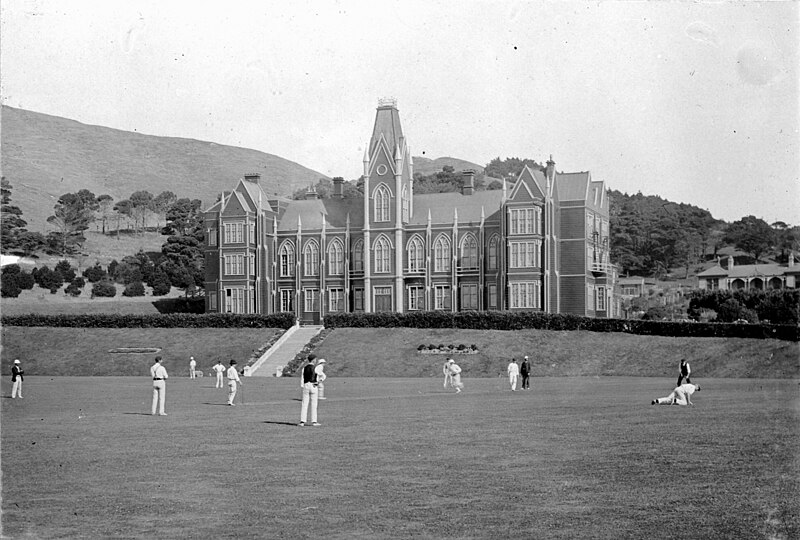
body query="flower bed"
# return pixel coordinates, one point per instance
(447, 349)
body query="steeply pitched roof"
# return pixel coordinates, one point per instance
(714, 271)
(441, 206)
(312, 212)
(751, 270)
(573, 186)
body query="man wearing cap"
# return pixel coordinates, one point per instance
(192, 365)
(321, 376)
(525, 371)
(16, 378)
(233, 380)
(308, 383)
(160, 376)
(219, 369)
(513, 374)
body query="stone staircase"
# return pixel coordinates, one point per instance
(283, 351)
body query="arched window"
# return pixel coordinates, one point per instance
(358, 256)
(311, 259)
(286, 257)
(383, 253)
(382, 201)
(441, 254)
(469, 252)
(492, 255)
(406, 206)
(335, 258)
(416, 255)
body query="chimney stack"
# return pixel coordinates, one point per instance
(469, 181)
(550, 170)
(791, 259)
(311, 193)
(253, 177)
(730, 262)
(338, 192)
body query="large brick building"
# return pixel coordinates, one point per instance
(542, 244)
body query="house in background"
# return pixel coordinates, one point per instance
(750, 276)
(541, 245)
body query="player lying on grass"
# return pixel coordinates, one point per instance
(681, 395)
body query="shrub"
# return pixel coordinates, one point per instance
(104, 288)
(94, 273)
(49, 279)
(67, 272)
(134, 289)
(9, 286)
(25, 281)
(76, 286)
(11, 269)
(421, 348)
(178, 320)
(112, 269)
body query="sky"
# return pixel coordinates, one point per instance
(696, 102)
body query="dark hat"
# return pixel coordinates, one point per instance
(311, 356)
(233, 362)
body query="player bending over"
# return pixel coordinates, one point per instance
(681, 395)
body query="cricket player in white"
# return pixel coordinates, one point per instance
(446, 372)
(192, 366)
(513, 374)
(455, 375)
(220, 369)
(233, 380)
(681, 395)
(159, 375)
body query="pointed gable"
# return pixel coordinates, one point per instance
(533, 180)
(236, 205)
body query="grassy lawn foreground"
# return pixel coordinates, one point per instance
(579, 457)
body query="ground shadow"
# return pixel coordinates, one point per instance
(139, 413)
(182, 304)
(280, 423)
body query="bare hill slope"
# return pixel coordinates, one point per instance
(45, 156)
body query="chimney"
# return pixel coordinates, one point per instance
(311, 193)
(469, 181)
(338, 192)
(791, 259)
(252, 177)
(550, 170)
(730, 262)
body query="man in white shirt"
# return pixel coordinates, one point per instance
(455, 375)
(446, 372)
(308, 384)
(681, 395)
(233, 381)
(159, 375)
(219, 369)
(513, 374)
(192, 366)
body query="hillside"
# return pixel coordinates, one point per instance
(46, 156)
(426, 166)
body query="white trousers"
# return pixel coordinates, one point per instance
(678, 398)
(219, 380)
(159, 397)
(16, 388)
(512, 380)
(231, 391)
(310, 395)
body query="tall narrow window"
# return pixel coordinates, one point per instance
(286, 256)
(287, 300)
(358, 256)
(382, 251)
(493, 296)
(469, 252)
(442, 297)
(311, 259)
(406, 206)
(416, 298)
(441, 253)
(382, 201)
(358, 299)
(312, 300)
(601, 298)
(469, 296)
(234, 300)
(493, 253)
(336, 299)
(416, 255)
(335, 258)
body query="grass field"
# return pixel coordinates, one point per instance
(578, 457)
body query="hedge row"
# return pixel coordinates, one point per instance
(507, 320)
(172, 320)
